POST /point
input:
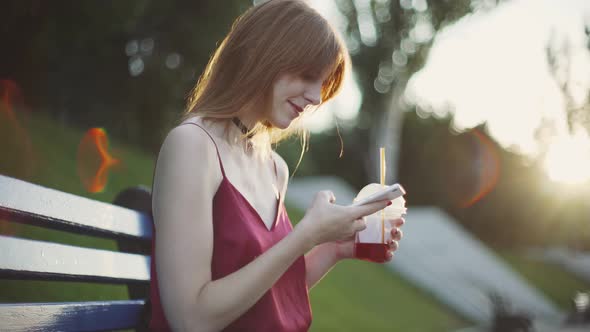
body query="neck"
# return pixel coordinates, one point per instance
(243, 128)
(237, 129)
(245, 123)
(247, 119)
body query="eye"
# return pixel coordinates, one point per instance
(310, 77)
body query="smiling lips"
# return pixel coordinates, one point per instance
(297, 108)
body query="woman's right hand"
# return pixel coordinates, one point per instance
(325, 221)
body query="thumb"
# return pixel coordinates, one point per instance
(325, 195)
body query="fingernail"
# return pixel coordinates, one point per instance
(389, 203)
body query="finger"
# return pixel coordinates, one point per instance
(399, 222)
(389, 256)
(397, 234)
(332, 197)
(359, 224)
(393, 246)
(369, 208)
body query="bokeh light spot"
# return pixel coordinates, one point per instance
(17, 158)
(94, 160)
(487, 168)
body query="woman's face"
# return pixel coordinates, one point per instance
(292, 94)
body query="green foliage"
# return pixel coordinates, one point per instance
(72, 59)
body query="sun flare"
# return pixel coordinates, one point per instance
(568, 159)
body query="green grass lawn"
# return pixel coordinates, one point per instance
(355, 296)
(558, 285)
(361, 296)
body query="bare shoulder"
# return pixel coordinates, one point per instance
(187, 166)
(189, 148)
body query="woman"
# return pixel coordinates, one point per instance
(225, 253)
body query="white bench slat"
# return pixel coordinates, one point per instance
(56, 209)
(70, 316)
(57, 261)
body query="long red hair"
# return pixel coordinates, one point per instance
(269, 39)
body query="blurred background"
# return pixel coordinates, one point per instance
(483, 108)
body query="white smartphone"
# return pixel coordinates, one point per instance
(396, 189)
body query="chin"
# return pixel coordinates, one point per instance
(281, 123)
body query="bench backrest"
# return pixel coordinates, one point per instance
(20, 258)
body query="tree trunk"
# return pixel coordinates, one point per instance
(387, 133)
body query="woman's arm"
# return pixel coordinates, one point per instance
(186, 179)
(319, 261)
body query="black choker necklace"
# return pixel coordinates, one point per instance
(242, 127)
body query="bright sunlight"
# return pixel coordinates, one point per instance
(492, 67)
(568, 159)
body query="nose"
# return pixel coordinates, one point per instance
(313, 94)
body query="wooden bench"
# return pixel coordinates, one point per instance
(127, 221)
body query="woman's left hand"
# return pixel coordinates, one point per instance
(396, 236)
(345, 249)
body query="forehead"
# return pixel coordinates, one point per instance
(318, 63)
(317, 72)
(287, 77)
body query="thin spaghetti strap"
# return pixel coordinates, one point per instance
(216, 148)
(278, 185)
(275, 163)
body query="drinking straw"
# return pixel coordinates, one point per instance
(382, 171)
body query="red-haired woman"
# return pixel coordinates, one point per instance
(225, 255)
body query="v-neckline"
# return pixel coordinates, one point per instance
(277, 209)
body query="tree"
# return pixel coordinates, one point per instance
(123, 65)
(559, 54)
(389, 41)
